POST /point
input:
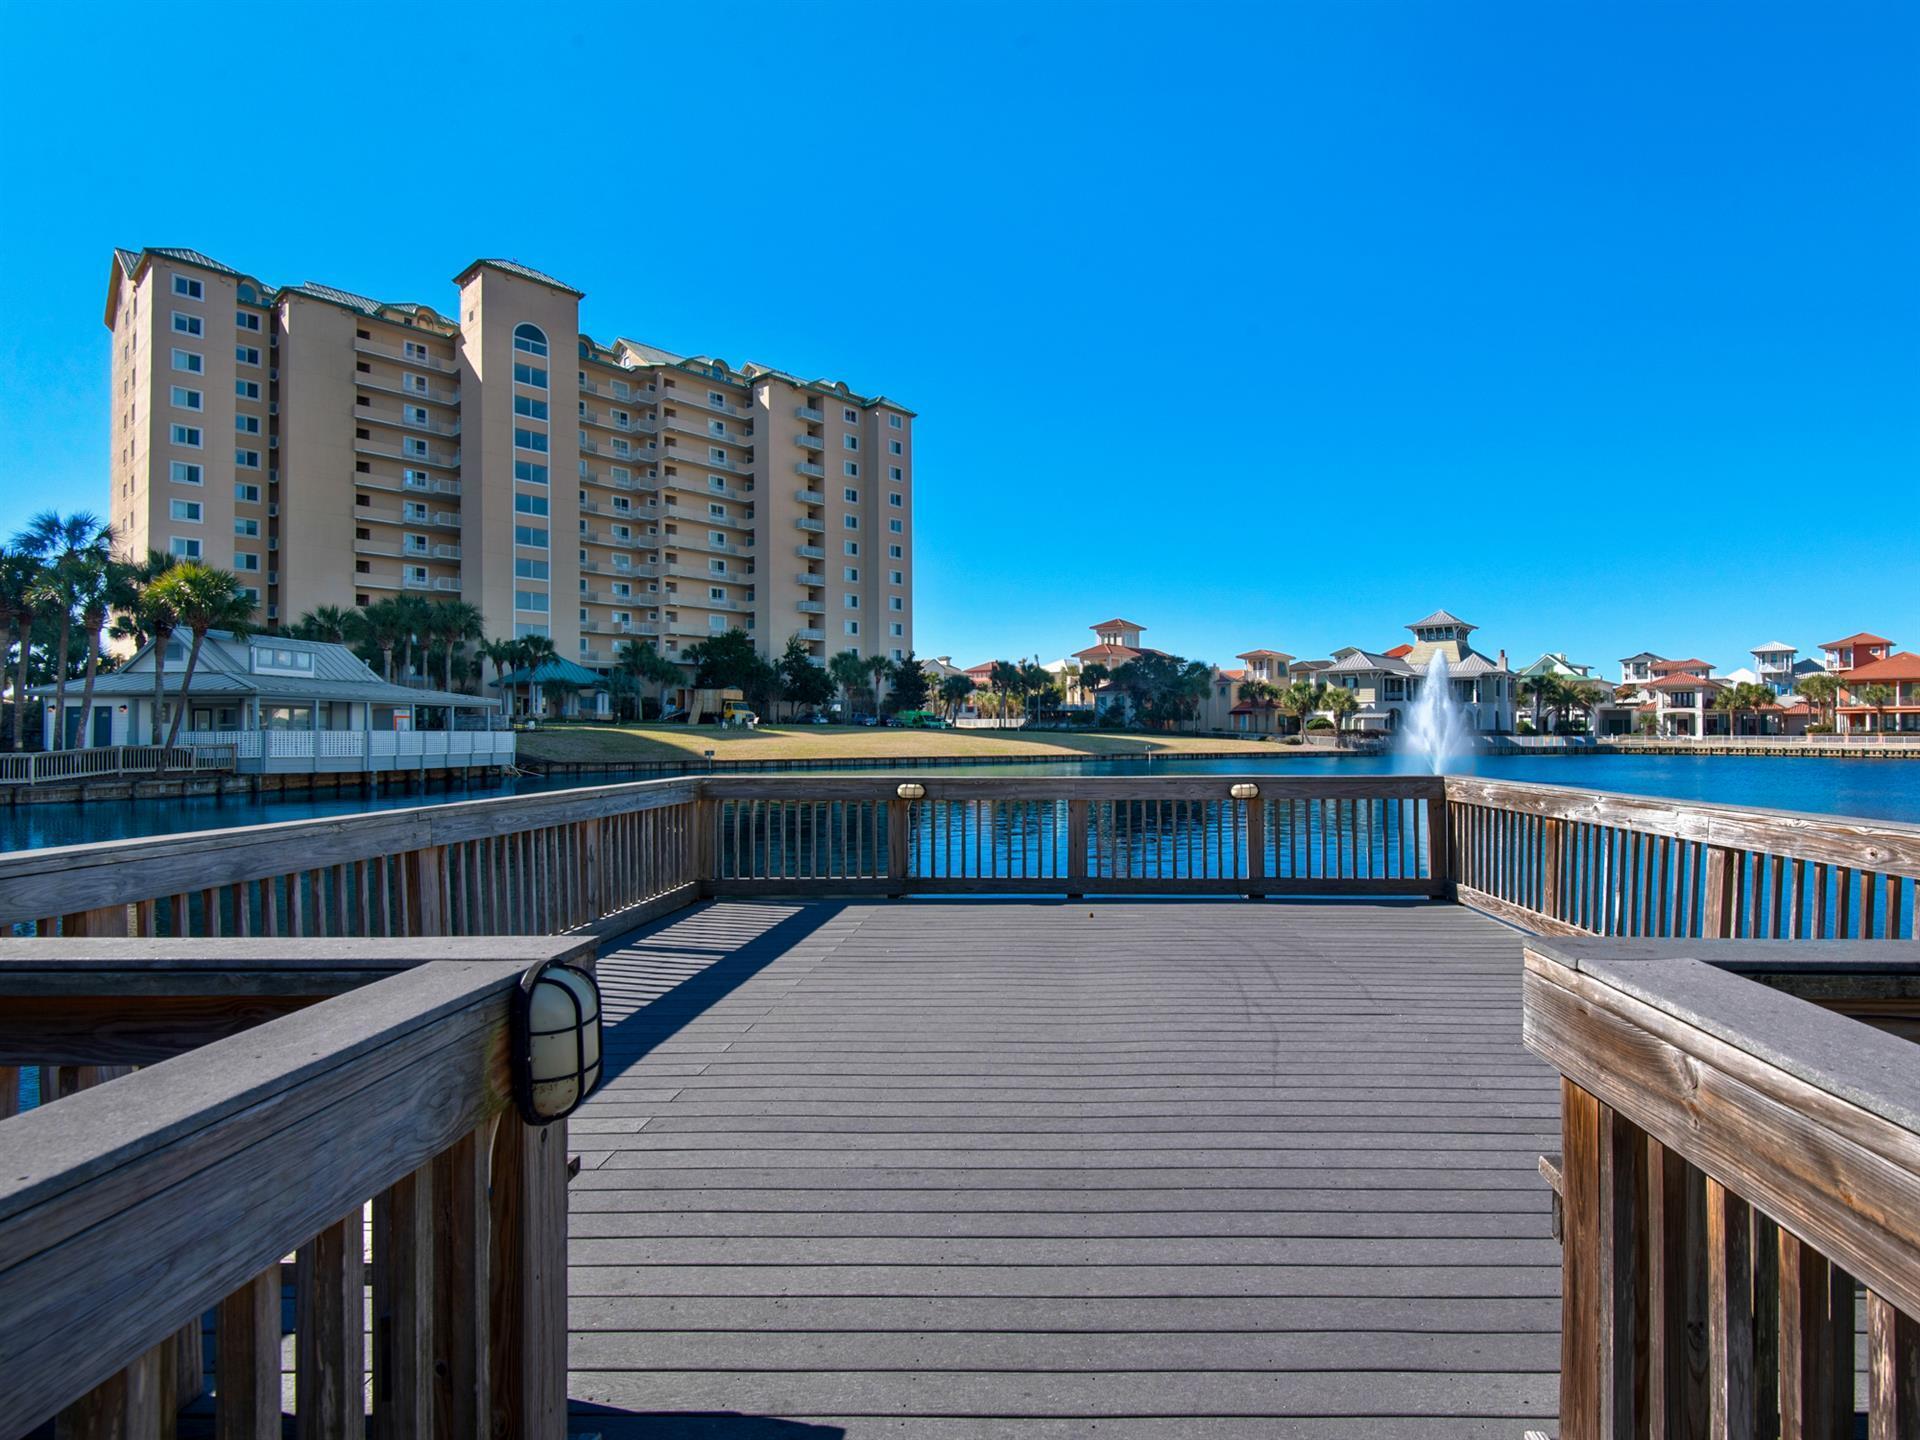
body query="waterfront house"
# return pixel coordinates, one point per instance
(1638, 669)
(1855, 650)
(292, 707)
(1683, 702)
(1387, 684)
(1900, 673)
(1774, 663)
(1251, 716)
(1555, 662)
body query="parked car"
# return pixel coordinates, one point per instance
(867, 720)
(920, 720)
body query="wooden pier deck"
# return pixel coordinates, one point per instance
(1114, 1169)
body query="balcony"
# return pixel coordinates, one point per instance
(809, 414)
(807, 467)
(817, 526)
(381, 417)
(445, 519)
(810, 577)
(808, 633)
(809, 497)
(411, 362)
(437, 459)
(449, 584)
(446, 552)
(810, 552)
(445, 487)
(810, 442)
(810, 607)
(429, 396)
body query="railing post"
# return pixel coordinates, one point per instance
(422, 869)
(460, 1289)
(899, 817)
(1622, 1255)
(403, 1316)
(1256, 847)
(1893, 1372)
(1550, 868)
(1816, 1344)
(1717, 877)
(1439, 859)
(1730, 1388)
(1076, 849)
(1581, 1319)
(527, 1281)
(246, 1373)
(330, 1358)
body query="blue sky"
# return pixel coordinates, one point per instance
(1274, 325)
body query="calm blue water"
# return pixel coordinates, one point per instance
(1877, 789)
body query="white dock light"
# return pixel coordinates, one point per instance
(911, 790)
(556, 1041)
(1245, 790)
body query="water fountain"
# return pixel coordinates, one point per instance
(1436, 733)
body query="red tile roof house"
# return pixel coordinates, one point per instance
(1855, 650)
(1118, 641)
(1683, 702)
(1900, 716)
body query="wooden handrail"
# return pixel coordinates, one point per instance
(128, 1210)
(1733, 1159)
(1561, 861)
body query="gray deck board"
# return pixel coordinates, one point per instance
(1028, 1170)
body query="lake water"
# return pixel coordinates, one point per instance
(1876, 789)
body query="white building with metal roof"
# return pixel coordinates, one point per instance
(289, 707)
(1386, 685)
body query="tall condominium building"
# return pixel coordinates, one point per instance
(335, 450)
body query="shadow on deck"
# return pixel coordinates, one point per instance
(1045, 1169)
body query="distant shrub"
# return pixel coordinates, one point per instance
(1820, 727)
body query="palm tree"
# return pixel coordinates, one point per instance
(1342, 702)
(954, 691)
(1008, 679)
(380, 627)
(330, 623)
(1822, 692)
(879, 670)
(157, 618)
(108, 589)
(66, 546)
(413, 616)
(1303, 699)
(500, 653)
(19, 594)
(1878, 697)
(643, 661)
(1541, 690)
(530, 653)
(203, 599)
(451, 623)
(849, 672)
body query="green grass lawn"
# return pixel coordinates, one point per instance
(603, 744)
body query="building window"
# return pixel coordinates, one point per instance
(188, 289)
(182, 473)
(249, 529)
(893, 422)
(183, 547)
(894, 602)
(188, 510)
(530, 407)
(246, 320)
(247, 424)
(534, 375)
(716, 537)
(185, 399)
(247, 459)
(716, 511)
(851, 547)
(247, 354)
(413, 350)
(528, 471)
(852, 600)
(526, 569)
(247, 494)
(716, 482)
(530, 504)
(716, 455)
(247, 562)
(896, 628)
(896, 577)
(530, 338)
(896, 528)
(190, 361)
(896, 501)
(852, 627)
(894, 553)
(247, 389)
(850, 522)
(530, 440)
(184, 324)
(533, 600)
(851, 495)
(894, 473)
(893, 448)
(714, 592)
(852, 442)
(533, 537)
(850, 574)
(851, 416)
(414, 414)
(188, 435)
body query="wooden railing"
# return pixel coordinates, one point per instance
(52, 767)
(1185, 834)
(524, 865)
(131, 1209)
(1561, 861)
(1740, 1167)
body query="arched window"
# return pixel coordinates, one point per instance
(247, 294)
(530, 338)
